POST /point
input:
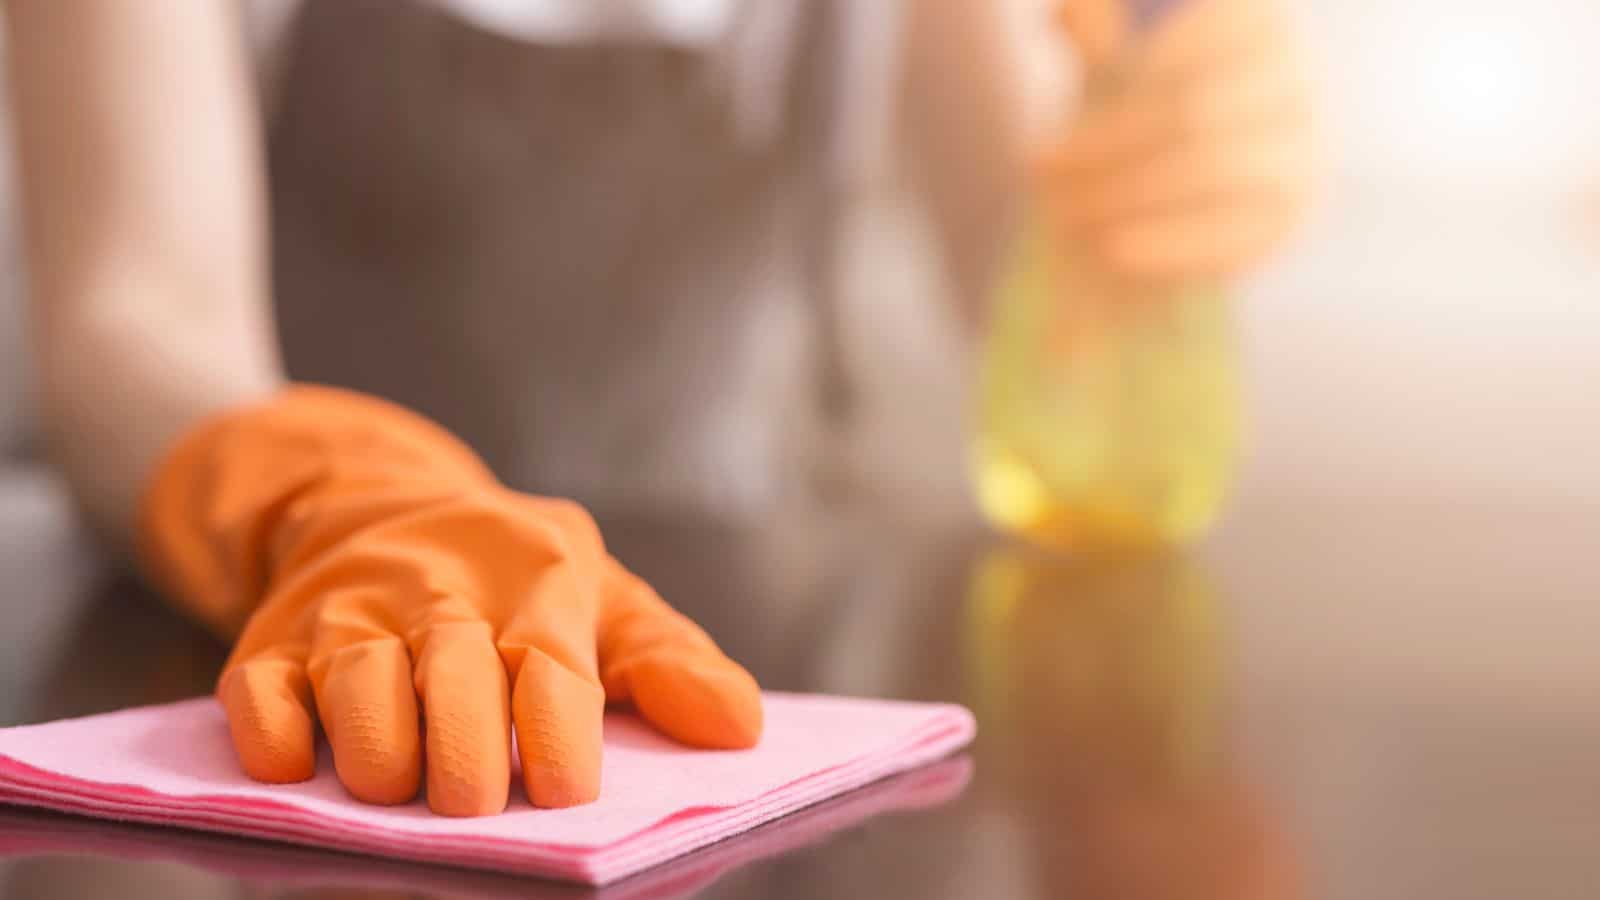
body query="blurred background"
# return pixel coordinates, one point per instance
(1432, 333)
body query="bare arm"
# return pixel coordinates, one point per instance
(144, 213)
(962, 109)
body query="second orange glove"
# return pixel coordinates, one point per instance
(387, 586)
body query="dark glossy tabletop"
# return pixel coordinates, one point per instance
(1362, 697)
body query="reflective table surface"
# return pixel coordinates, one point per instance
(1352, 697)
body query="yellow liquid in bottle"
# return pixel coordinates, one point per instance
(1108, 413)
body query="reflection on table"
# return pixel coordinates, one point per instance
(1129, 782)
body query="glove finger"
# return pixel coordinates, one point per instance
(1247, 94)
(1276, 160)
(1098, 29)
(1205, 33)
(1217, 242)
(557, 706)
(559, 715)
(369, 711)
(463, 689)
(672, 670)
(267, 699)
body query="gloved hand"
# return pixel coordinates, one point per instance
(378, 569)
(1192, 155)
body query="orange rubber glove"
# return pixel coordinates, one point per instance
(376, 569)
(1194, 154)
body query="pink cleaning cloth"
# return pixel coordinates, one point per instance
(29, 833)
(174, 765)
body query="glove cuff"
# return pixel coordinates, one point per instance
(226, 502)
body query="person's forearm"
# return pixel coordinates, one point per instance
(965, 111)
(118, 386)
(143, 209)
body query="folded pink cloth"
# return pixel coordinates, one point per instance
(173, 765)
(29, 833)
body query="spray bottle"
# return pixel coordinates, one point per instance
(1108, 407)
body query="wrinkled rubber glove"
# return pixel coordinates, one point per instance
(1193, 155)
(378, 571)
